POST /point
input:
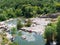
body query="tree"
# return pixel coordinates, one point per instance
(27, 11)
(50, 33)
(57, 6)
(10, 13)
(58, 31)
(28, 8)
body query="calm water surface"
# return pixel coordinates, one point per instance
(30, 39)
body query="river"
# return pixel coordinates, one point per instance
(31, 38)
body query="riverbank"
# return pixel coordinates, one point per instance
(38, 24)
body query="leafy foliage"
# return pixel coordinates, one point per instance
(58, 29)
(50, 33)
(27, 8)
(2, 17)
(28, 24)
(13, 30)
(19, 24)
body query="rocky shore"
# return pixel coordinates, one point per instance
(54, 15)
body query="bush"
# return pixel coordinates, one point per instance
(50, 33)
(19, 24)
(58, 30)
(27, 11)
(28, 24)
(10, 13)
(11, 16)
(18, 12)
(2, 17)
(13, 30)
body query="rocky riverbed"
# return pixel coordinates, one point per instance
(37, 28)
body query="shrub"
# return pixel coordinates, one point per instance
(58, 30)
(27, 11)
(2, 17)
(19, 24)
(50, 33)
(10, 13)
(28, 24)
(18, 12)
(13, 30)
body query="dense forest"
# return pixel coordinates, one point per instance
(27, 8)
